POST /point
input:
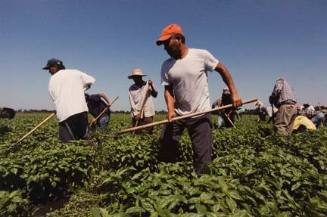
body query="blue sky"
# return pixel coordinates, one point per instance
(257, 40)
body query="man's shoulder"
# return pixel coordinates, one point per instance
(72, 71)
(133, 87)
(67, 72)
(168, 61)
(167, 65)
(198, 52)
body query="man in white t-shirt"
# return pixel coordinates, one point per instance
(140, 98)
(185, 77)
(66, 88)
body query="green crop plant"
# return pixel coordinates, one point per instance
(253, 173)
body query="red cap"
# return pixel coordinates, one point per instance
(168, 31)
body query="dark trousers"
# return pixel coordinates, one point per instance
(143, 121)
(199, 130)
(74, 128)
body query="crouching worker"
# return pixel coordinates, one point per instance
(315, 115)
(97, 104)
(66, 88)
(301, 124)
(261, 110)
(7, 113)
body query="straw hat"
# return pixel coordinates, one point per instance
(136, 72)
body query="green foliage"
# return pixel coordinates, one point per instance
(253, 173)
(12, 204)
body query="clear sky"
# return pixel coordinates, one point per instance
(258, 40)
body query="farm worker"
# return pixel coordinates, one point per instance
(226, 117)
(185, 79)
(283, 98)
(220, 120)
(140, 98)
(302, 123)
(229, 114)
(7, 113)
(316, 116)
(96, 104)
(66, 88)
(262, 111)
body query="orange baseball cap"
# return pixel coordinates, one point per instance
(168, 31)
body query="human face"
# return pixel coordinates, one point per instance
(138, 80)
(53, 69)
(173, 46)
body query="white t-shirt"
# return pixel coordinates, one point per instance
(189, 79)
(136, 96)
(66, 88)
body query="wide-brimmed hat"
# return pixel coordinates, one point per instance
(136, 72)
(168, 31)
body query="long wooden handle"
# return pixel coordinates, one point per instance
(229, 120)
(146, 95)
(103, 111)
(143, 104)
(35, 128)
(182, 117)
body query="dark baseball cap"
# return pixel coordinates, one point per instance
(52, 62)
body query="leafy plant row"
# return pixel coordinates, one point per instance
(254, 173)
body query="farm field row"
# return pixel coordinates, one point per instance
(254, 173)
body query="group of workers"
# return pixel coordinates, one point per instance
(184, 76)
(185, 79)
(286, 113)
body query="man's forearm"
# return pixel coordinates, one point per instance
(170, 101)
(227, 78)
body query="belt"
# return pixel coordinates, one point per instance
(287, 102)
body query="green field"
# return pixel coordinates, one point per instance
(254, 173)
